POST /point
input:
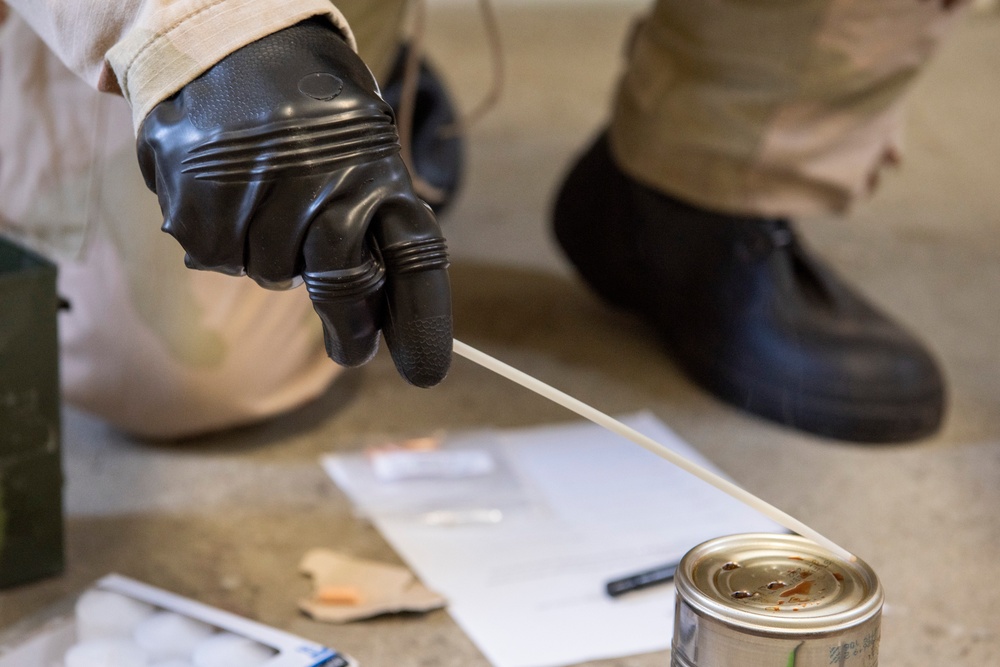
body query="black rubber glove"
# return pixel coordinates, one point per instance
(282, 162)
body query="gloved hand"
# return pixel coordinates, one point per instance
(281, 162)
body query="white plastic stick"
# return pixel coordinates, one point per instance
(615, 426)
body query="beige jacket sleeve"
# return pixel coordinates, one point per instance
(149, 49)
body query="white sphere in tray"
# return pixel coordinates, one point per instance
(106, 653)
(167, 634)
(104, 614)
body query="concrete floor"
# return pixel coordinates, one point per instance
(225, 519)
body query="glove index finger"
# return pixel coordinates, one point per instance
(346, 294)
(418, 323)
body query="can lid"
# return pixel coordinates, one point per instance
(777, 583)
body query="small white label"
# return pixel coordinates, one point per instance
(392, 466)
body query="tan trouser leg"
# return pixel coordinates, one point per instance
(153, 347)
(770, 107)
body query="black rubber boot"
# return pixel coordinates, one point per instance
(437, 152)
(746, 311)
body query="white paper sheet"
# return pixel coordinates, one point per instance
(580, 506)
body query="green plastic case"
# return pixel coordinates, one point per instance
(31, 479)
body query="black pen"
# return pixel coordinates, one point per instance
(634, 582)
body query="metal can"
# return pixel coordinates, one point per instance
(768, 600)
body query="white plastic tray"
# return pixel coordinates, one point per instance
(45, 645)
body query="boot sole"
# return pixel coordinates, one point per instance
(842, 418)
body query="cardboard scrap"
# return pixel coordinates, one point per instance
(375, 588)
